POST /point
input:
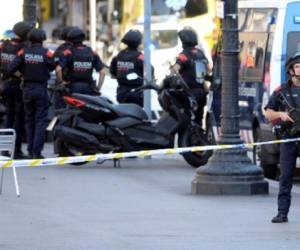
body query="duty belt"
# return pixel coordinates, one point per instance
(34, 83)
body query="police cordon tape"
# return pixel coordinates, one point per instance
(117, 156)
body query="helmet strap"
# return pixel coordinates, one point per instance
(292, 73)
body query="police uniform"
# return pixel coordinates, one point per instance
(288, 151)
(79, 62)
(58, 100)
(186, 59)
(35, 63)
(61, 48)
(126, 62)
(12, 93)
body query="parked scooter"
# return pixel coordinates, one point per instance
(91, 124)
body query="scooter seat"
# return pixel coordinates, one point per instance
(98, 100)
(130, 109)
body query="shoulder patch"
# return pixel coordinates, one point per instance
(50, 53)
(182, 57)
(141, 57)
(20, 52)
(67, 52)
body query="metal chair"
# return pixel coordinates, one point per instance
(7, 145)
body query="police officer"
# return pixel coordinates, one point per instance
(66, 45)
(58, 100)
(129, 60)
(277, 111)
(79, 62)
(186, 67)
(35, 63)
(12, 92)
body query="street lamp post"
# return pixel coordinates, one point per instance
(29, 11)
(230, 171)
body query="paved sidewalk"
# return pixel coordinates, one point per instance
(146, 204)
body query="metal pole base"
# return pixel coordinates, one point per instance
(230, 172)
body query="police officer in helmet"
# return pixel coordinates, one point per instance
(277, 110)
(129, 60)
(58, 100)
(12, 92)
(35, 63)
(186, 66)
(79, 61)
(66, 45)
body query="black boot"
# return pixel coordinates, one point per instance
(38, 156)
(280, 218)
(20, 155)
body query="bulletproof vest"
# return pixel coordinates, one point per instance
(60, 49)
(126, 64)
(290, 102)
(294, 101)
(194, 73)
(8, 53)
(82, 65)
(35, 68)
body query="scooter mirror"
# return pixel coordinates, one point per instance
(132, 76)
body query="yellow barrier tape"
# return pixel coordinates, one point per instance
(196, 149)
(91, 158)
(170, 151)
(117, 156)
(62, 161)
(114, 156)
(7, 164)
(35, 163)
(225, 146)
(144, 153)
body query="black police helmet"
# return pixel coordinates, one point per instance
(22, 28)
(188, 38)
(132, 38)
(37, 36)
(291, 61)
(64, 32)
(76, 35)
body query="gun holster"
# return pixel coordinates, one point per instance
(279, 131)
(295, 126)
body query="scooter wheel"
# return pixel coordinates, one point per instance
(63, 151)
(189, 139)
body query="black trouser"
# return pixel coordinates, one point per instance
(127, 95)
(36, 102)
(81, 88)
(12, 95)
(200, 96)
(58, 100)
(288, 157)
